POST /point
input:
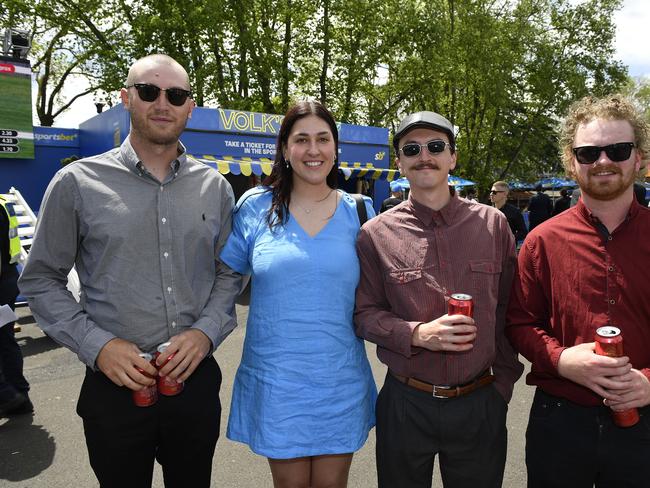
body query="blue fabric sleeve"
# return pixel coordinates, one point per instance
(236, 252)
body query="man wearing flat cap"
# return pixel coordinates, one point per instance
(449, 376)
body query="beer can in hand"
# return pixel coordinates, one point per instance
(609, 342)
(148, 395)
(461, 304)
(167, 386)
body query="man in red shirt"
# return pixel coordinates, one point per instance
(449, 376)
(584, 269)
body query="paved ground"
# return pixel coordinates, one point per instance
(48, 449)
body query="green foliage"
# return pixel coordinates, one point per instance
(504, 71)
(639, 90)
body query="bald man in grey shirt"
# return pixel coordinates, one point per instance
(143, 224)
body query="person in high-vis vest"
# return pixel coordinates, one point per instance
(14, 399)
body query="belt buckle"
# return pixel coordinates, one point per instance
(436, 388)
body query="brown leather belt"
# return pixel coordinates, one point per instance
(446, 391)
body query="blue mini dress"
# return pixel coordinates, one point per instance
(304, 386)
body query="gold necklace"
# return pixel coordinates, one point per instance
(309, 210)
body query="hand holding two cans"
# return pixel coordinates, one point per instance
(164, 385)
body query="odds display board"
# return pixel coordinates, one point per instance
(16, 130)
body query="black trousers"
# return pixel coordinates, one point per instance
(571, 446)
(12, 379)
(179, 432)
(468, 432)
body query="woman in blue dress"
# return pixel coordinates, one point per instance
(304, 394)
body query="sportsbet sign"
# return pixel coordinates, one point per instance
(16, 131)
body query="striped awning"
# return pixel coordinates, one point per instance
(367, 171)
(262, 166)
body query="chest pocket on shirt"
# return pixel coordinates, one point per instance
(485, 276)
(403, 276)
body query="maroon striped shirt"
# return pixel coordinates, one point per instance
(412, 258)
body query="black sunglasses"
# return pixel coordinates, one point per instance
(434, 147)
(615, 152)
(494, 192)
(150, 93)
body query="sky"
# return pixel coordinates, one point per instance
(632, 40)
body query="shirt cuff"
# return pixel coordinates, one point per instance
(209, 328)
(93, 343)
(555, 358)
(408, 349)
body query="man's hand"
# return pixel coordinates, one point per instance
(118, 360)
(446, 333)
(635, 394)
(188, 348)
(601, 374)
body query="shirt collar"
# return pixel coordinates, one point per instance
(443, 216)
(130, 158)
(588, 216)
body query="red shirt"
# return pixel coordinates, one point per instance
(573, 278)
(412, 258)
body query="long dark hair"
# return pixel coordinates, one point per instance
(280, 180)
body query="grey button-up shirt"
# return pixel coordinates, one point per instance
(146, 254)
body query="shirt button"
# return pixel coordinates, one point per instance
(609, 238)
(169, 289)
(173, 324)
(166, 254)
(611, 268)
(162, 188)
(164, 220)
(612, 302)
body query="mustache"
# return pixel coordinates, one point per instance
(426, 166)
(164, 112)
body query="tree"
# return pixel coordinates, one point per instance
(69, 39)
(639, 90)
(503, 71)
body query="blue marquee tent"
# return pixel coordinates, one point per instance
(451, 180)
(555, 182)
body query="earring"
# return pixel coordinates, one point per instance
(288, 163)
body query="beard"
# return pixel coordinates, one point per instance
(154, 135)
(605, 190)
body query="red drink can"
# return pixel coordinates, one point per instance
(460, 304)
(167, 386)
(148, 395)
(609, 342)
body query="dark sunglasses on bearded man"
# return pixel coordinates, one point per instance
(615, 152)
